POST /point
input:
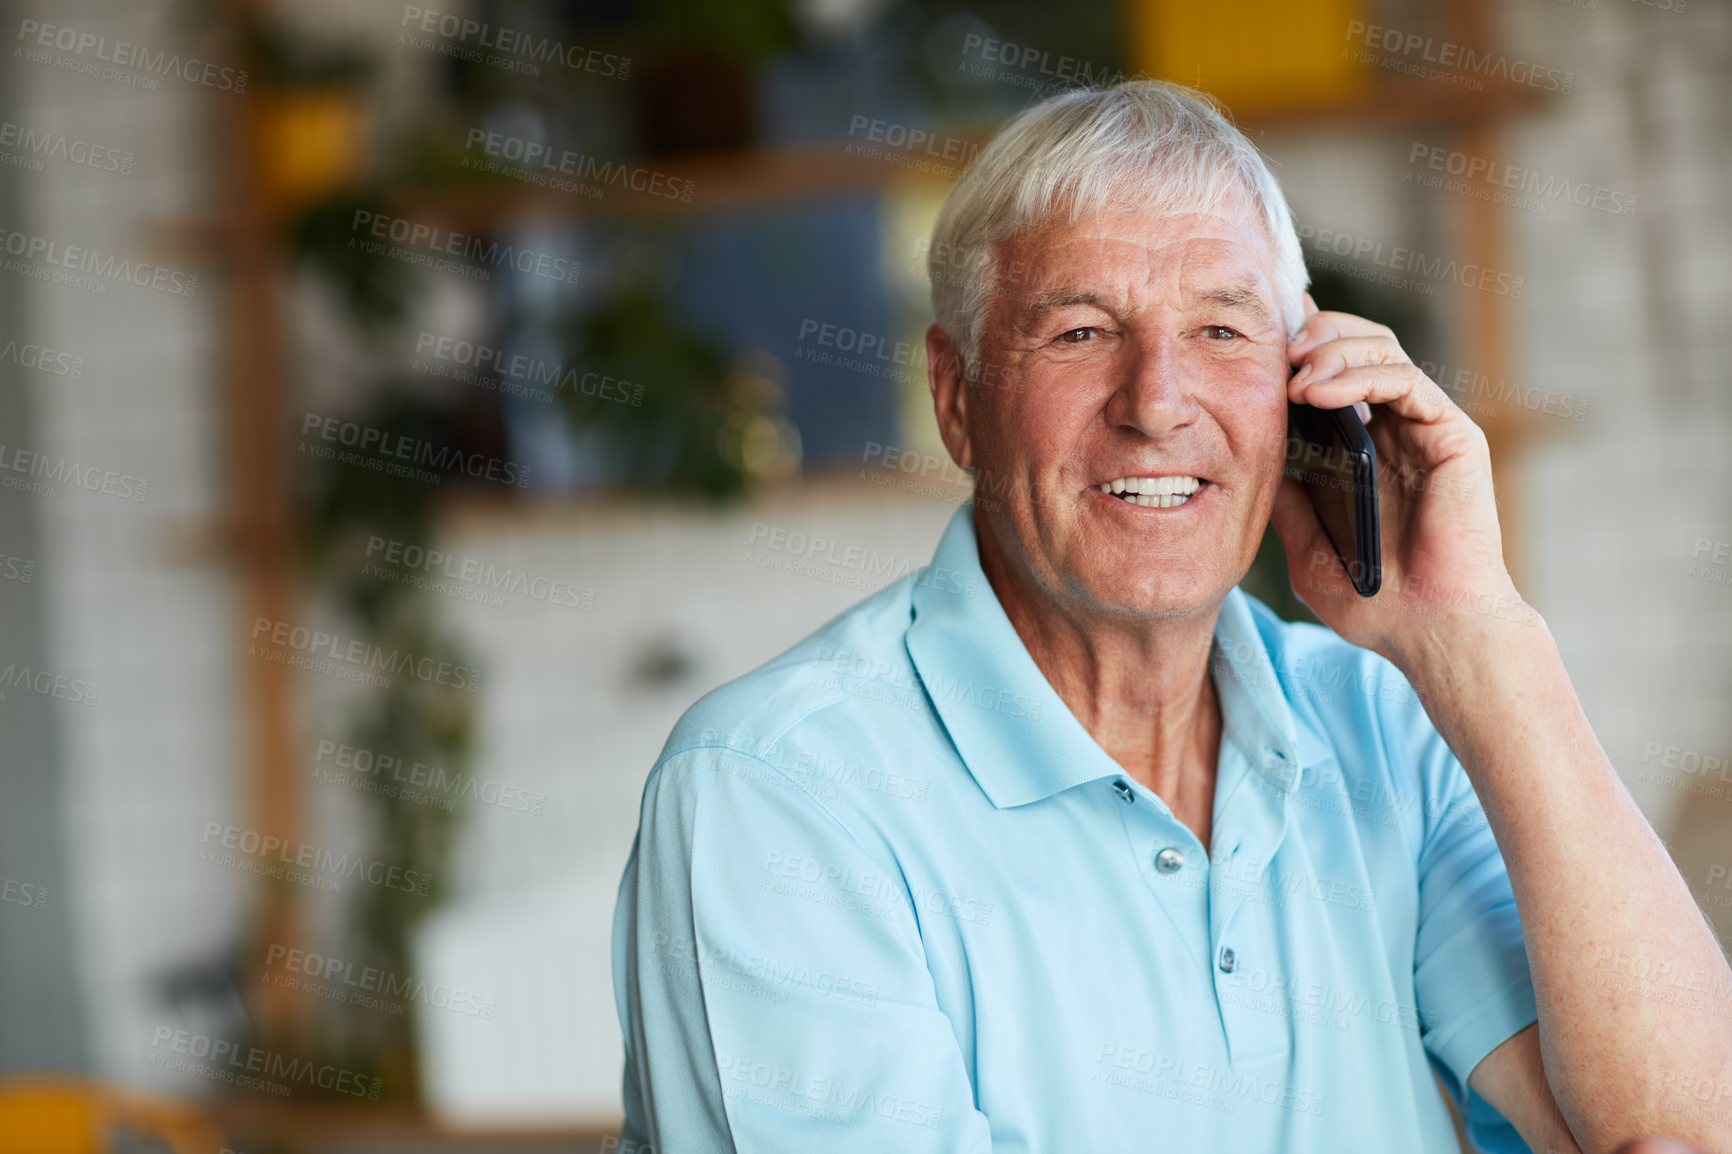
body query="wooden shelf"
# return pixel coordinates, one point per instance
(1406, 104)
(719, 181)
(750, 179)
(762, 178)
(311, 1128)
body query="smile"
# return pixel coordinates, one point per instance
(1153, 492)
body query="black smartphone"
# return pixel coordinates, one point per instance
(1330, 452)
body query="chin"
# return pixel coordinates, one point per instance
(1168, 596)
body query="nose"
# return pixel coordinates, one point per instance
(1155, 396)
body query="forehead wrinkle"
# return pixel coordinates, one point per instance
(1229, 276)
(1202, 254)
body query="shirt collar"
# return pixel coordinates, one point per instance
(1017, 737)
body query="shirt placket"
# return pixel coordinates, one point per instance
(1210, 919)
(1251, 822)
(1175, 868)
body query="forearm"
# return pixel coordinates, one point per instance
(1513, 1079)
(1634, 994)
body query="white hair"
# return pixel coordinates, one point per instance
(1143, 144)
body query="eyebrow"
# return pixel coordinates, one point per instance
(1242, 296)
(1057, 298)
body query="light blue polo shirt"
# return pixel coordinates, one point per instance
(888, 894)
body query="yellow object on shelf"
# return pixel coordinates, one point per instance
(308, 142)
(1252, 55)
(75, 1116)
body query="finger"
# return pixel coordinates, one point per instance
(1308, 311)
(1407, 391)
(1326, 360)
(1325, 326)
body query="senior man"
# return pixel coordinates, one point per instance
(1065, 843)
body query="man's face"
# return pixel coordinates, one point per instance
(1139, 349)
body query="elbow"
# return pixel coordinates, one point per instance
(1664, 1112)
(1656, 1145)
(1670, 1131)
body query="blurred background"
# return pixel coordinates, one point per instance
(406, 412)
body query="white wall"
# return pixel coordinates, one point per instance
(137, 602)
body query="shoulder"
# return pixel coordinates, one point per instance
(810, 749)
(837, 735)
(753, 711)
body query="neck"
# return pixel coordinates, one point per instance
(1140, 687)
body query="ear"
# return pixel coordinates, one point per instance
(949, 395)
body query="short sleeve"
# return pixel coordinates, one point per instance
(1471, 979)
(771, 982)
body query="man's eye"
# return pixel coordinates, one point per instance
(1220, 332)
(1076, 336)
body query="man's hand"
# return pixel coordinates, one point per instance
(1442, 548)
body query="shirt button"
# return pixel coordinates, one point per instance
(1169, 860)
(1124, 791)
(1228, 961)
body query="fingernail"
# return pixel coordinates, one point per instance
(1301, 337)
(1303, 375)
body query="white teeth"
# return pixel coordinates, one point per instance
(1154, 492)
